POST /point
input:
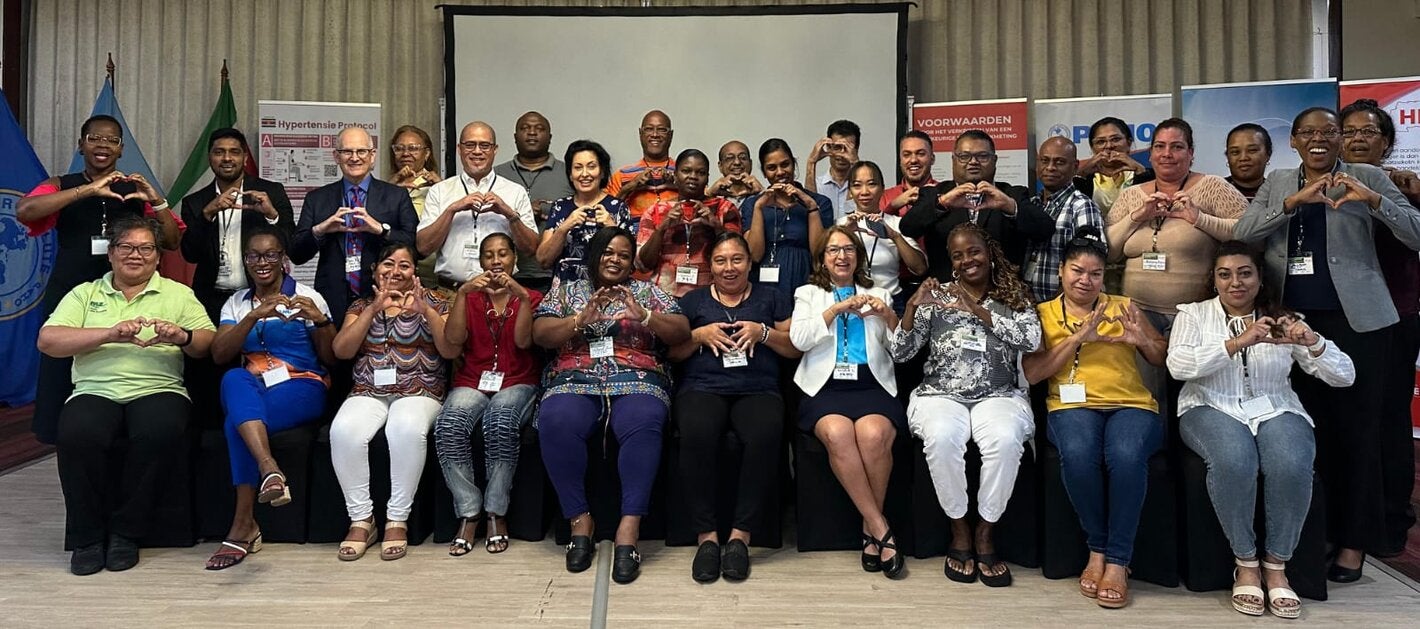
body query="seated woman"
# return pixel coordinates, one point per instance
(610, 333)
(976, 328)
(282, 330)
(399, 379)
(727, 385)
(889, 252)
(490, 325)
(1102, 418)
(1244, 342)
(127, 333)
(675, 236)
(841, 323)
(575, 219)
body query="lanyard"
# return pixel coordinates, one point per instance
(496, 331)
(1302, 224)
(1076, 366)
(492, 179)
(518, 170)
(228, 216)
(1159, 222)
(781, 224)
(843, 325)
(1237, 326)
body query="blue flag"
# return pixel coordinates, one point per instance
(132, 160)
(25, 264)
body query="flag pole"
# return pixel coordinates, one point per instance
(224, 71)
(109, 66)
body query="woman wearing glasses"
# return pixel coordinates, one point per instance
(1317, 224)
(575, 219)
(282, 330)
(1110, 169)
(127, 333)
(415, 169)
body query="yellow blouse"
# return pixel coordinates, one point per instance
(1107, 370)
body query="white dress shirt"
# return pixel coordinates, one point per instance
(1212, 378)
(458, 258)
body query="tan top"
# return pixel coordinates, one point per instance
(1188, 249)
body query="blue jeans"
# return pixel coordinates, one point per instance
(1283, 451)
(502, 417)
(1091, 442)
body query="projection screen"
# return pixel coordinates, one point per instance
(720, 73)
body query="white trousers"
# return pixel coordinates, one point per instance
(1000, 426)
(360, 417)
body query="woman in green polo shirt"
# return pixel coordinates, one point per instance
(127, 333)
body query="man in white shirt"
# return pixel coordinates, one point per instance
(841, 149)
(459, 212)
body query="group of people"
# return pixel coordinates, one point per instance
(607, 302)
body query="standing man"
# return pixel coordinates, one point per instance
(348, 221)
(1003, 210)
(219, 217)
(648, 181)
(915, 159)
(737, 181)
(459, 212)
(841, 149)
(545, 180)
(1055, 167)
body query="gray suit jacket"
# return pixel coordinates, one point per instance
(1350, 240)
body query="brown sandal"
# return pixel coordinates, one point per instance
(1119, 587)
(1093, 578)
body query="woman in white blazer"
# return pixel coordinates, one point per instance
(841, 323)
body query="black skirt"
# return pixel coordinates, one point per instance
(854, 399)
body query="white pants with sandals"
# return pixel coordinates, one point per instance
(406, 421)
(1000, 426)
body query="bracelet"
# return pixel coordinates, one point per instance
(647, 320)
(161, 206)
(189, 338)
(765, 337)
(326, 322)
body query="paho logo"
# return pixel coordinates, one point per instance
(25, 263)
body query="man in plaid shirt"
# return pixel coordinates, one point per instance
(1068, 207)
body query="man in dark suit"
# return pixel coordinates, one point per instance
(1005, 211)
(347, 222)
(220, 216)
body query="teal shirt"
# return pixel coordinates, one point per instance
(849, 326)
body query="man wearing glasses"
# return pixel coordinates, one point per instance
(347, 222)
(459, 212)
(650, 180)
(1005, 211)
(80, 207)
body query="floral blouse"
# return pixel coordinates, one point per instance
(969, 362)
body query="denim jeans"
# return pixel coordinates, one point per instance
(1118, 441)
(502, 417)
(1283, 451)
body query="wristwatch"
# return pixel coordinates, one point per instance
(386, 229)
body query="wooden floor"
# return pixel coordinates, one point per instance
(304, 585)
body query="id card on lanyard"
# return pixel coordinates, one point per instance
(843, 369)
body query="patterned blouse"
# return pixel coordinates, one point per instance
(570, 266)
(404, 342)
(957, 366)
(637, 362)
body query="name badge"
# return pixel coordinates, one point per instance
(491, 381)
(686, 274)
(1072, 393)
(1300, 265)
(601, 348)
(973, 342)
(470, 251)
(845, 371)
(1156, 262)
(352, 265)
(224, 266)
(733, 359)
(1257, 407)
(386, 377)
(769, 274)
(98, 245)
(273, 377)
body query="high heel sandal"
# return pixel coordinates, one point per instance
(232, 551)
(357, 548)
(497, 541)
(1244, 606)
(392, 549)
(1289, 612)
(276, 493)
(464, 545)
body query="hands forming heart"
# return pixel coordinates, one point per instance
(145, 332)
(1130, 320)
(103, 187)
(1320, 190)
(608, 297)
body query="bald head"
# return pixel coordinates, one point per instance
(656, 135)
(1055, 163)
(355, 153)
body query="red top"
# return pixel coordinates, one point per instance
(519, 366)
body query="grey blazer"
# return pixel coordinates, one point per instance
(1350, 240)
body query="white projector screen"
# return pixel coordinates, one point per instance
(748, 73)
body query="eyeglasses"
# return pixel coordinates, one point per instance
(107, 140)
(844, 250)
(407, 148)
(477, 146)
(1366, 133)
(270, 257)
(1107, 140)
(360, 153)
(124, 250)
(655, 130)
(980, 158)
(1329, 133)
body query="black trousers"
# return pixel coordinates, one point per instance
(1349, 431)
(703, 418)
(1397, 449)
(89, 426)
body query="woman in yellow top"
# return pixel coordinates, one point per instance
(1101, 415)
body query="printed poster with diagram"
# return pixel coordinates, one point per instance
(297, 145)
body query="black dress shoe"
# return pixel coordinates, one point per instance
(706, 567)
(87, 560)
(580, 552)
(626, 565)
(871, 563)
(1339, 574)
(892, 568)
(734, 562)
(122, 553)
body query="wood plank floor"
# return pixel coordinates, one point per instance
(304, 585)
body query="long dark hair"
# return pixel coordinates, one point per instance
(1266, 303)
(597, 246)
(1006, 285)
(819, 276)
